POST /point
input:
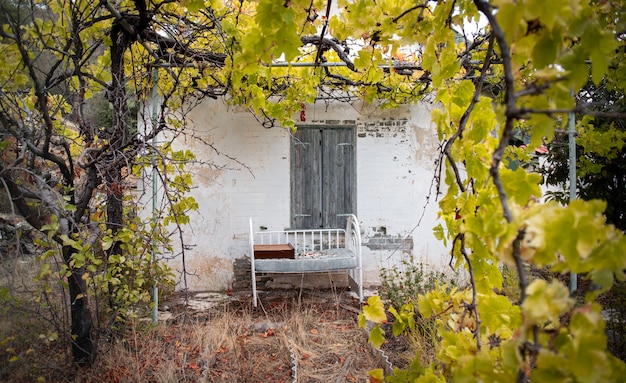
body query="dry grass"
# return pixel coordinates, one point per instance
(232, 343)
(238, 344)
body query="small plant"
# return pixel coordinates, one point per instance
(401, 289)
(405, 283)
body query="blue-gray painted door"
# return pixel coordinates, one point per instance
(323, 177)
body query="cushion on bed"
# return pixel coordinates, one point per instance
(316, 261)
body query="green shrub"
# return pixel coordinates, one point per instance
(405, 283)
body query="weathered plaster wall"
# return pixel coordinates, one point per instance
(249, 177)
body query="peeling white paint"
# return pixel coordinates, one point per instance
(395, 155)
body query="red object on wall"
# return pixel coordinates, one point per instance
(303, 112)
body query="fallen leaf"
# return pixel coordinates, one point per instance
(193, 366)
(314, 331)
(268, 333)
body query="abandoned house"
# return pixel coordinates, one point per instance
(345, 158)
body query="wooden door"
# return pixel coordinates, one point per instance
(322, 177)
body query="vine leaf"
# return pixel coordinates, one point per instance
(520, 185)
(377, 336)
(377, 375)
(374, 311)
(546, 302)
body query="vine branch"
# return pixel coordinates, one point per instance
(472, 307)
(512, 113)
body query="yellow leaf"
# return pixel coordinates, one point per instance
(375, 310)
(377, 375)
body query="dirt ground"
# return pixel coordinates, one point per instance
(294, 336)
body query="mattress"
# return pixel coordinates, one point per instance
(309, 262)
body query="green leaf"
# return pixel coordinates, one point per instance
(404, 320)
(364, 60)
(361, 321)
(551, 367)
(107, 242)
(545, 50)
(499, 315)
(546, 302)
(521, 185)
(511, 15)
(463, 93)
(602, 278)
(542, 126)
(377, 336)
(193, 5)
(599, 65)
(439, 233)
(600, 44)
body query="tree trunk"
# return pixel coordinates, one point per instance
(82, 340)
(81, 336)
(117, 137)
(114, 223)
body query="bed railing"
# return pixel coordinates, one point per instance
(314, 240)
(303, 240)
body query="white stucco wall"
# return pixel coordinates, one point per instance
(249, 177)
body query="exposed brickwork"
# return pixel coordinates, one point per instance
(385, 127)
(388, 242)
(242, 280)
(390, 127)
(242, 270)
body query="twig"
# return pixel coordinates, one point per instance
(473, 307)
(466, 115)
(321, 40)
(421, 7)
(344, 369)
(349, 308)
(318, 55)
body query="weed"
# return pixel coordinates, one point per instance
(405, 283)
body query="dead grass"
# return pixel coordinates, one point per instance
(238, 344)
(318, 334)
